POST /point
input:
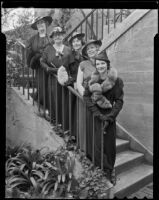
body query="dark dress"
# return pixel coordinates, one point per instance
(35, 48)
(115, 96)
(53, 61)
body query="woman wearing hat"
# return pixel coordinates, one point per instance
(86, 67)
(106, 84)
(35, 47)
(57, 55)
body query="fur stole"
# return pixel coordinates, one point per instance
(62, 75)
(98, 89)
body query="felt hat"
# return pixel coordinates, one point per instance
(76, 35)
(57, 29)
(97, 42)
(45, 18)
(102, 56)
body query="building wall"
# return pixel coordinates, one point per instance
(133, 56)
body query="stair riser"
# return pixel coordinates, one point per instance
(134, 187)
(125, 166)
(122, 147)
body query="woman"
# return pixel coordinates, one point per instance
(56, 55)
(35, 47)
(76, 42)
(86, 67)
(112, 90)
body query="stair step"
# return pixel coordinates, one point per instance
(127, 159)
(121, 145)
(133, 179)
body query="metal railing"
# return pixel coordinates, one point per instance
(76, 117)
(99, 22)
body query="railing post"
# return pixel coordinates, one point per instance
(102, 22)
(102, 146)
(63, 107)
(97, 23)
(38, 87)
(28, 81)
(70, 114)
(44, 92)
(86, 31)
(77, 132)
(33, 84)
(50, 97)
(92, 25)
(108, 19)
(93, 159)
(114, 18)
(23, 66)
(56, 102)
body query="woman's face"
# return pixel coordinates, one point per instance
(41, 26)
(58, 38)
(92, 50)
(76, 44)
(101, 66)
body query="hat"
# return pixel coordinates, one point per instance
(57, 29)
(76, 35)
(97, 42)
(45, 18)
(102, 56)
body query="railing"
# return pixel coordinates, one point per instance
(99, 22)
(75, 117)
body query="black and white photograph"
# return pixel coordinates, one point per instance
(79, 102)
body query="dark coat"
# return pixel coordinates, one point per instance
(35, 47)
(115, 96)
(51, 62)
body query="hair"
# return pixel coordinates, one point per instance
(108, 64)
(79, 38)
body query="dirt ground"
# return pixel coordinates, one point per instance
(23, 124)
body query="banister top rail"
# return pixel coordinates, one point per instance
(69, 34)
(23, 45)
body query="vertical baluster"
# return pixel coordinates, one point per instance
(121, 13)
(102, 22)
(102, 146)
(93, 159)
(23, 68)
(50, 97)
(56, 101)
(44, 102)
(86, 31)
(33, 84)
(97, 23)
(108, 20)
(28, 82)
(38, 87)
(77, 132)
(63, 114)
(70, 109)
(114, 18)
(91, 25)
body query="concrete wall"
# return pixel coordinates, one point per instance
(132, 54)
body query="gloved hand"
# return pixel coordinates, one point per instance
(51, 70)
(69, 82)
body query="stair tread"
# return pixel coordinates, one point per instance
(133, 175)
(127, 156)
(121, 142)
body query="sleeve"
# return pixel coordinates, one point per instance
(119, 94)
(91, 106)
(80, 87)
(43, 61)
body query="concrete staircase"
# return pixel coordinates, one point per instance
(132, 170)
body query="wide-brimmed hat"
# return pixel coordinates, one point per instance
(45, 18)
(76, 35)
(102, 56)
(57, 29)
(97, 42)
